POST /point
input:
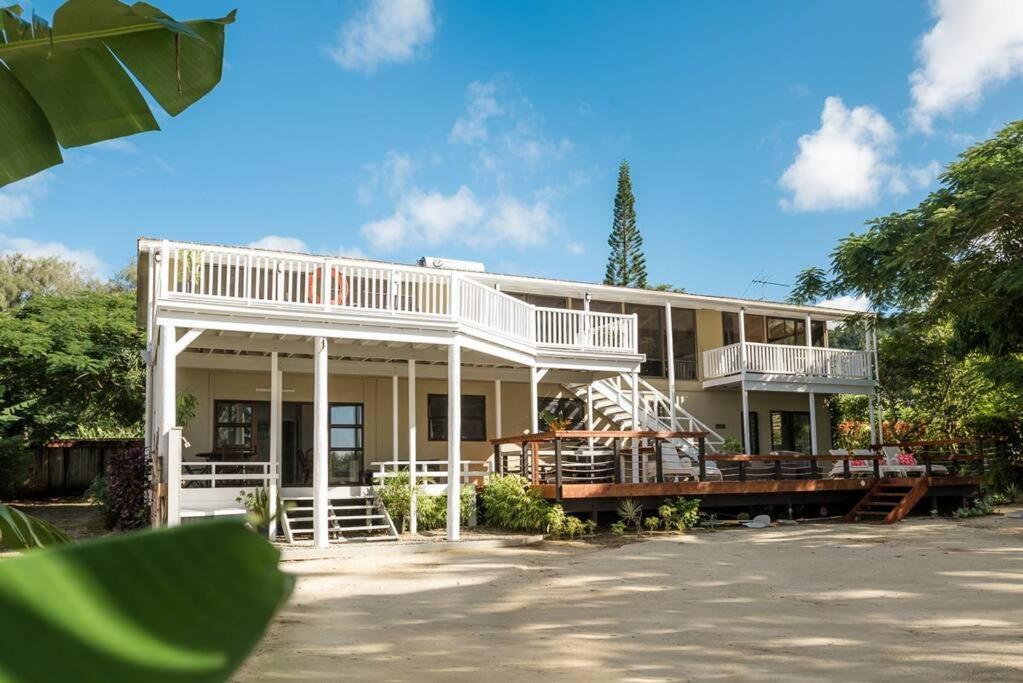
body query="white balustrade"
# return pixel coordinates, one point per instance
(786, 360)
(251, 277)
(219, 475)
(432, 471)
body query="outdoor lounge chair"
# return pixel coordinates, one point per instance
(893, 465)
(678, 466)
(863, 468)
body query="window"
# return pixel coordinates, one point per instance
(542, 301)
(650, 323)
(790, 431)
(754, 433)
(474, 417)
(754, 328)
(571, 409)
(346, 443)
(233, 430)
(683, 339)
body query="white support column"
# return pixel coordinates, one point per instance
(166, 416)
(413, 525)
(871, 418)
(276, 392)
(742, 339)
(671, 365)
(454, 438)
(589, 412)
(498, 410)
(870, 373)
(534, 380)
(809, 333)
(320, 444)
(173, 451)
(635, 427)
(745, 421)
(813, 425)
(394, 416)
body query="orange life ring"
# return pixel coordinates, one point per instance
(338, 286)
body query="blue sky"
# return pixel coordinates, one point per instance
(758, 133)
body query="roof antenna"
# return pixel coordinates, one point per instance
(763, 282)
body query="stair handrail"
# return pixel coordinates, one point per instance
(695, 424)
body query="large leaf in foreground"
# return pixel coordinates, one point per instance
(68, 84)
(19, 531)
(182, 604)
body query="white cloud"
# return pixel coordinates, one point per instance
(118, 145)
(576, 248)
(278, 243)
(840, 165)
(385, 31)
(431, 219)
(392, 176)
(86, 259)
(973, 46)
(481, 106)
(17, 200)
(847, 303)
(845, 164)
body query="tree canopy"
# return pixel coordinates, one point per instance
(626, 265)
(22, 277)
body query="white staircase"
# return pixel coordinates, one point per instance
(349, 518)
(612, 398)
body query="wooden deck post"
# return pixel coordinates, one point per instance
(777, 468)
(557, 469)
(498, 465)
(742, 470)
(659, 459)
(815, 471)
(702, 455)
(616, 453)
(927, 461)
(845, 468)
(877, 468)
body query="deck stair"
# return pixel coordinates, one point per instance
(355, 518)
(613, 400)
(889, 500)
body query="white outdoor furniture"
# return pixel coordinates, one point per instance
(854, 470)
(891, 454)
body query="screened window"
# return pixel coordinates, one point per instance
(650, 323)
(346, 443)
(790, 431)
(571, 409)
(683, 339)
(233, 430)
(474, 417)
(754, 328)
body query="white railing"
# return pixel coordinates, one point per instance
(432, 471)
(786, 360)
(587, 331)
(233, 475)
(251, 277)
(495, 311)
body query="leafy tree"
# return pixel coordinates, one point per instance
(626, 265)
(69, 363)
(22, 277)
(127, 278)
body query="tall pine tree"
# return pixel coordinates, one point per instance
(626, 265)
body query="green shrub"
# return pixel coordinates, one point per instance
(631, 512)
(431, 511)
(98, 495)
(652, 523)
(979, 508)
(509, 503)
(681, 514)
(618, 528)
(396, 496)
(573, 527)
(14, 457)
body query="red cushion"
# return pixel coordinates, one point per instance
(907, 459)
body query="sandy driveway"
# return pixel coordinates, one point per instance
(925, 599)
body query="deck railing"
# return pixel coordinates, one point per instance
(784, 359)
(249, 277)
(432, 471)
(561, 458)
(230, 475)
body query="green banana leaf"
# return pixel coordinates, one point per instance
(67, 86)
(19, 531)
(181, 604)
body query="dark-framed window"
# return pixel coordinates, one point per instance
(683, 340)
(772, 330)
(790, 431)
(730, 328)
(233, 426)
(754, 432)
(474, 417)
(650, 327)
(571, 409)
(347, 432)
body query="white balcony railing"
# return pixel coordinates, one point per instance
(786, 360)
(561, 328)
(249, 277)
(432, 472)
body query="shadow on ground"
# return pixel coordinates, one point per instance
(926, 599)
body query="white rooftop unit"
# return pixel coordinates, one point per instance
(451, 264)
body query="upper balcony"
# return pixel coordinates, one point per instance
(253, 280)
(777, 365)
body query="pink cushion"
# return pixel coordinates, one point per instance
(907, 459)
(858, 463)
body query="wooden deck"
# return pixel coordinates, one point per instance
(703, 489)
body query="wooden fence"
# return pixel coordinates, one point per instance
(68, 466)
